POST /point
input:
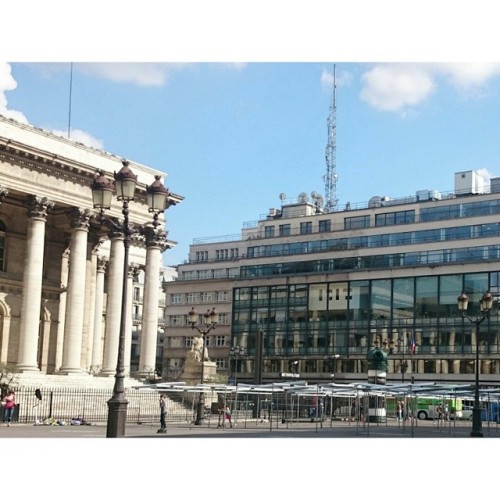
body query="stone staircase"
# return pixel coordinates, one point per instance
(72, 380)
(143, 404)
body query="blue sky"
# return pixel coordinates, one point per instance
(231, 99)
(233, 136)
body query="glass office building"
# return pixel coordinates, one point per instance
(314, 291)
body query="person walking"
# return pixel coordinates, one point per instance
(228, 417)
(446, 412)
(163, 415)
(8, 403)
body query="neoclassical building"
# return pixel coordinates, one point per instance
(62, 268)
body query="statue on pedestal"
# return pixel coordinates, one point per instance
(199, 350)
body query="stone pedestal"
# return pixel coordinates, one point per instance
(192, 370)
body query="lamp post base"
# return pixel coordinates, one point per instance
(477, 430)
(199, 413)
(117, 418)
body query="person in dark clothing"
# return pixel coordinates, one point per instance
(163, 414)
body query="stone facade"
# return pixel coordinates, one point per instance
(61, 270)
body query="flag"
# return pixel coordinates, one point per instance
(412, 345)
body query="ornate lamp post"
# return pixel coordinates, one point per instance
(210, 320)
(485, 304)
(236, 353)
(102, 192)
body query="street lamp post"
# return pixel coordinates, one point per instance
(485, 304)
(332, 364)
(236, 353)
(102, 191)
(210, 320)
(401, 350)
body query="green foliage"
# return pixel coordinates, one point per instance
(219, 378)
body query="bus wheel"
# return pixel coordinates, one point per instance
(422, 415)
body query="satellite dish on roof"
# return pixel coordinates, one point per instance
(282, 196)
(303, 198)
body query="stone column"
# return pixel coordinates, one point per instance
(32, 283)
(75, 300)
(62, 308)
(96, 361)
(155, 243)
(95, 241)
(133, 270)
(113, 305)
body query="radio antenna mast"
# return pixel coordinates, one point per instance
(331, 153)
(70, 95)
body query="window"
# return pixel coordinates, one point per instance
(220, 362)
(269, 231)
(305, 227)
(192, 297)
(361, 222)
(220, 273)
(206, 296)
(220, 341)
(325, 226)
(177, 320)
(395, 218)
(176, 298)
(220, 296)
(201, 256)
(175, 342)
(222, 319)
(284, 229)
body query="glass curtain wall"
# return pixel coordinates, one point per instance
(415, 319)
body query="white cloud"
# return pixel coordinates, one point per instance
(467, 75)
(486, 175)
(7, 83)
(393, 87)
(78, 135)
(142, 74)
(400, 86)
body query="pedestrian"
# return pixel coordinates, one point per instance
(228, 417)
(439, 412)
(446, 411)
(8, 403)
(163, 415)
(400, 410)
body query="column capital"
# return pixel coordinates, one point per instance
(80, 218)
(133, 270)
(38, 206)
(156, 238)
(3, 193)
(102, 264)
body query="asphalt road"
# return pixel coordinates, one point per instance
(253, 429)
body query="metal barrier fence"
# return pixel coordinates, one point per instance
(65, 404)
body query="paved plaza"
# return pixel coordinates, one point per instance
(258, 429)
